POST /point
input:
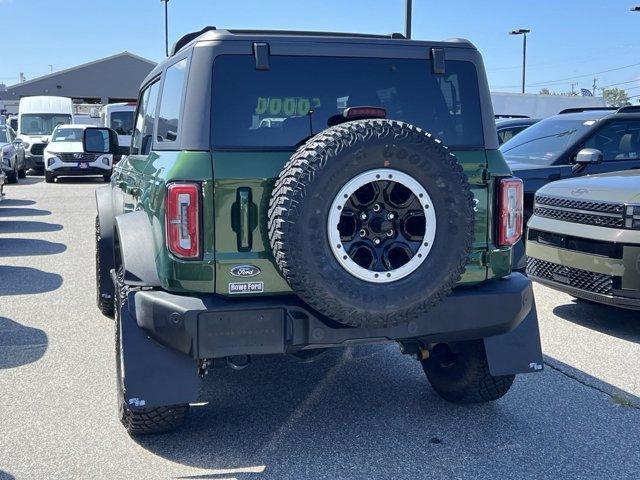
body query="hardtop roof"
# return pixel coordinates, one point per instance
(211, 33)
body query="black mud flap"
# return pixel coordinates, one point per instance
(154, 375)
(518, 351)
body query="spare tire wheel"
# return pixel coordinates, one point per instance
(371, 222)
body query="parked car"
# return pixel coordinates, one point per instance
(12, 157)
(119, 117)
(576, 142)
(345, 222)
(509, 128)
(65, 156)
(37, 117)
(584, 238)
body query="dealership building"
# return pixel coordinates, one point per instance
(108, 80)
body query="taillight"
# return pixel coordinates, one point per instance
(510, 210)
(183, 219)
(354, 113)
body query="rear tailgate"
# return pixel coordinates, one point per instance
(242, 190)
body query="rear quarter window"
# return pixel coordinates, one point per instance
(280, 107)
(171, 102)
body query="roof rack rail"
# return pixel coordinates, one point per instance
(310, 33)
(189, 37)
(185, 39)
(584, 109)
(499, 116)
(629, 109)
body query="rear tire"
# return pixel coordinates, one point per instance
(49, 177)
(140, 420)
(460, 374)
(22, 173)
(12, 177)
(104, 304)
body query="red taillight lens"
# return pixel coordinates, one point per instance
(510, 211)
(364, 112)
(183, 219)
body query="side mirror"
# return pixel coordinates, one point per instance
(100, 140)
(588, 156)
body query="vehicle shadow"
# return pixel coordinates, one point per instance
(19, 344)
(31, 179)
(23, 212)
(345, 416)
(617, 322)
(21, 247)
(16, 202)
(24, 226)
(80, 180)
(26, 281)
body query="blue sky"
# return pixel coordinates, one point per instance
(570, 38)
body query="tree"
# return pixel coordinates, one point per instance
(546, 91)
(615, 97)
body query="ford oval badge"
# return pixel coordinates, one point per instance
(245, 271)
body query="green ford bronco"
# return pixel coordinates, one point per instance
(289, 192)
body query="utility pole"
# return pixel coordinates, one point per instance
(50, 68)
(595, 86)
(523, 32)
(573, 88)
(166, 26)
(407, 18)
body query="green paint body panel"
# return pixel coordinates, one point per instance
(257, 172)
(150, 174)
(236, 189)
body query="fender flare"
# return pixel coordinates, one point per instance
(136, 247)
(105, 251)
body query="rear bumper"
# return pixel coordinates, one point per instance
(163, 334)
(214, 327)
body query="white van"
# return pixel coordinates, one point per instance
(37, 117)
(119, 117)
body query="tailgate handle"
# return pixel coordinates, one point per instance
(243, 212)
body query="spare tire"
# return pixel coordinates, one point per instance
(371, 222)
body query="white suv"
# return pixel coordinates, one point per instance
(65, 157)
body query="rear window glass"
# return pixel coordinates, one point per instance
(169, 116)
(282, 106)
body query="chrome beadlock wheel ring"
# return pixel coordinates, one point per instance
(382, 225)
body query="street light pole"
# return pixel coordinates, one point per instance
(523, 32)
(407, 18)
(166, 26)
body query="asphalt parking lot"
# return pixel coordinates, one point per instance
(365, 412)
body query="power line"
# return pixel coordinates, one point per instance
(560, 80)
(563, 80)
(635, 80)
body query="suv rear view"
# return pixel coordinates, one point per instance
(289, 192)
